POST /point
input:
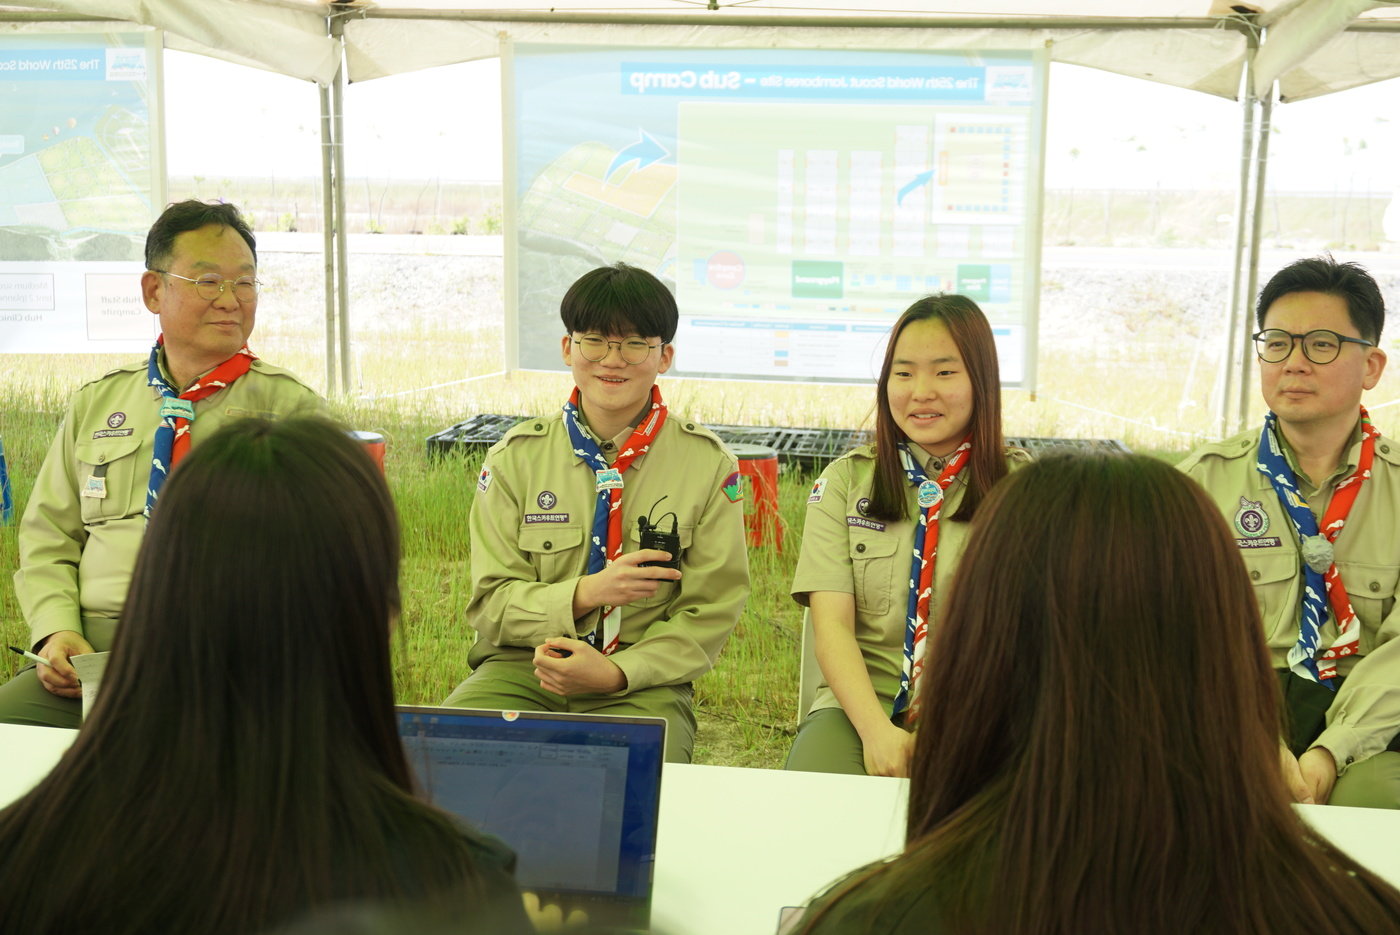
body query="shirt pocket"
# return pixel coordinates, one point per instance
(556, 551)
(1276, 578)
(873, 571)
(112, 478)
(665, 590)
(1371, 589)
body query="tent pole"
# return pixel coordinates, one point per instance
(342, 257)
(1261, 164)
(329, 226)
(1225, 394)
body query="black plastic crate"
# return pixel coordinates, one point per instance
(808, 448)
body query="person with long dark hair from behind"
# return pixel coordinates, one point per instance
(885, 526)
(1099, 744)
(242, 765)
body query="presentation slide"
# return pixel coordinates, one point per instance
(795, 201)
(79, 172)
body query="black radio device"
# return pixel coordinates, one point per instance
(653, 538)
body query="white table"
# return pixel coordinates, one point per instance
(736, 845)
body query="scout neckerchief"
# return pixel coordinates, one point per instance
(172, 439)
(607, 514)
(1319, 570)
(921, 570)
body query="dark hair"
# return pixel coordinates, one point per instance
(1347, 281)
(1108, 760)
(242, 763)
(183, 216)
(972, 333)
(620, 299)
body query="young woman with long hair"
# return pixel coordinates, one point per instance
(1100, 743)
(242, 766)
(885, 525)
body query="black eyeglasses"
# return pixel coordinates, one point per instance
(1274, 345)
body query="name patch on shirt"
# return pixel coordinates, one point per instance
(532, 519)
(1266, 543)
(864, 523)
(111, 433)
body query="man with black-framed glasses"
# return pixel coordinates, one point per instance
(1314, 496)
(123, 433)
(573, 606)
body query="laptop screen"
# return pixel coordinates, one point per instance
(575, 796)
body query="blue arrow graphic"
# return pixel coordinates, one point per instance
(923, 178)
(645, 151)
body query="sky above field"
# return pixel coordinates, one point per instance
(1105, 130)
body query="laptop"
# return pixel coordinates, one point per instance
(576, 796)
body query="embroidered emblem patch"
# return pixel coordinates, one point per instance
(929, 493)
(546, 500)
(483, 480)
(115, 420)
(733, 487)
(863, 506)
(1250, 519)
(817, 490)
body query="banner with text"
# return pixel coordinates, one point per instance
(79, 173)
(796, 201)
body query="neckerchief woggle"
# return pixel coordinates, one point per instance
(921, 569)
(1320, 574)
(172, 438)
(607, 513)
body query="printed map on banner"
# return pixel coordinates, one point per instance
(78, 176)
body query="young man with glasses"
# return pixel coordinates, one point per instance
(1314, 497)
(120, 436)
(571, 612)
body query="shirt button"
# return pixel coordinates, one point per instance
(1254, 576)
(539, 426)
(860, 546)
(549, 545)
(1374, 585)
(1385, 449)
(690, 426)
(101, 459)
(1351, 760)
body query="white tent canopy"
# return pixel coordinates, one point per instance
(1310, 47)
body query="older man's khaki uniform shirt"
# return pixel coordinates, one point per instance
(1365, 715)
(846, 551)
(84, 521)
(531, 528)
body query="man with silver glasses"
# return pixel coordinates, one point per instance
(1314, 499)
(120, 436)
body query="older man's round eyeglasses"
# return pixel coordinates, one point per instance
(209, 288)
(1274, 345)
(594, 347)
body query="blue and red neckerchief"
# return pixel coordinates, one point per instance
(1322, 582)
(172, 438)
(925, 558)
(607, 514)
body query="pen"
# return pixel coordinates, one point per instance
(28, 655)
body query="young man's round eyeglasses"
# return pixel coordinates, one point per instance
(594, 347)
(1274, 345)
(210, 288)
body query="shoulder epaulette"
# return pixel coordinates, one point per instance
(1228, 449)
